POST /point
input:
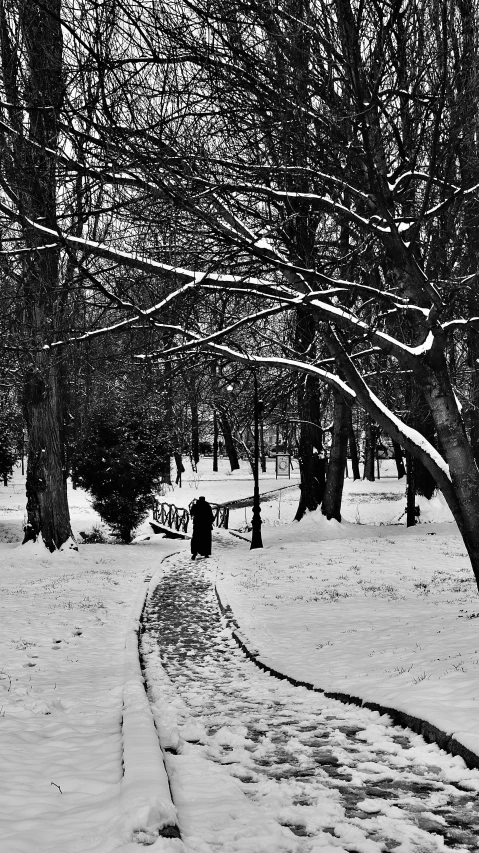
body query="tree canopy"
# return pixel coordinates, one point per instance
(290, 185)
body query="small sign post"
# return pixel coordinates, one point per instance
(283, 465)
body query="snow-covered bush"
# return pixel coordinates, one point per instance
(119, 462)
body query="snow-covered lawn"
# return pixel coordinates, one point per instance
(375, 611)
(383, 614)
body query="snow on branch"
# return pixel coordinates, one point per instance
(451, 325)
(253, 361)
(200, 341)
(131, 260)
(148, 314)
(349, 320)
(410, 436)
(10, 253)
(398, 431)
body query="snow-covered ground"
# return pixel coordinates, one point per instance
(65, 619)
(366, 608)
(261, 766)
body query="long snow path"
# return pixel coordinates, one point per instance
(316, 775)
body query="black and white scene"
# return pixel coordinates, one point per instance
(239, 426)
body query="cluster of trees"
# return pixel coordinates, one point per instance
(287, 185)
(11, 435)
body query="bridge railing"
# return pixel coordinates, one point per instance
(221, 515)
(171, 516)
(178, 518)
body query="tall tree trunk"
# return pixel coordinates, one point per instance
(331, 506)
(229, 442)
(310, 439)
(369, 448)
(169, 420)
(35, 161)
(425, 483)
(455, 446)
(398, 458)
(410, 491)
(47, 505)
(195, 431)
(353, 446)
(310, 434)
(307, 500)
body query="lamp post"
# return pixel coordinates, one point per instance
(256, 540)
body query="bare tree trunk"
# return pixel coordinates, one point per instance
(195, 431)
(47, 505)
(166, 460)
(425, 483)
(310, 434)
(308, 500)
(353, 447)
(331, 506)
(410, 491)
(229, 442)
(398, 458)
(369, 449)
(35, 164)
(457, 451)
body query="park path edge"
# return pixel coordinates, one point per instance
(146, 802)
(430, 732)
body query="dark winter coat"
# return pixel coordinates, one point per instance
(202, 516)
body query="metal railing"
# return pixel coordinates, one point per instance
(171, 516)
(178, 518)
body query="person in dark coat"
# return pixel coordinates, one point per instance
(180, 468)
(202, 516)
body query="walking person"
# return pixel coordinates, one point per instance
(202, 516)
(180, 468)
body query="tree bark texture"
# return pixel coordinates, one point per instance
(310, 434)
(353, 446)
(229, 441)
(331, 506)
(421, 419)
(195, 431)
(369, 448)
(47, 505)
(410, 491)
(398, 458)
(457, 451)
(43, 299)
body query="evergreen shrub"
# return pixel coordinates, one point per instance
(119, 461)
